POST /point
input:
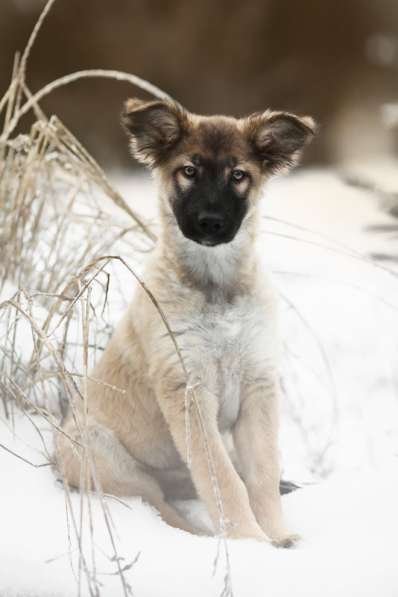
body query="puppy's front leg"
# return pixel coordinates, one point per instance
(207, 450)
(256, 441)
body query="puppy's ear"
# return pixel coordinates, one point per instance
(278, 138)
(154, 129)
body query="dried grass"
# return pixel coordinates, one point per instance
(60, 220)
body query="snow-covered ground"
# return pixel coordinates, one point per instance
(339, 433)
(348, 523)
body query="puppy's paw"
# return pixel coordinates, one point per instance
(286, 541)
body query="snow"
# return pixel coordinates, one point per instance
(339, 432)
(348, 524)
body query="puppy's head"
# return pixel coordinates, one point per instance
(212, 167)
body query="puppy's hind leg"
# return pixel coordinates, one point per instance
(115, 470)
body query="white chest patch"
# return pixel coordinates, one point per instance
(225, 345)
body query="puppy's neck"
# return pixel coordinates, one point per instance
(221, 272)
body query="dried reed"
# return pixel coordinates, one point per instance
(60, 220)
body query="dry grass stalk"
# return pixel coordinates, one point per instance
(55, 204)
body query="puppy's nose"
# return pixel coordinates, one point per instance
(211, 223)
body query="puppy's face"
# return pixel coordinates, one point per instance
(212, 167)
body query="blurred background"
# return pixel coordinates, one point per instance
(337, 61)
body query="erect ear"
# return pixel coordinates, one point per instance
(154, 128)
(278, 138)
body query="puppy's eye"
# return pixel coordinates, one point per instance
(189, 171)
(238, 175)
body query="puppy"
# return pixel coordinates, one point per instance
(198, 415)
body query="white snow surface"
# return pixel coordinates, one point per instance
(348, 523)
(339, 434)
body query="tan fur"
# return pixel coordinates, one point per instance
(222, 311)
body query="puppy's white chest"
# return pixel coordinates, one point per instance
(224, 347)
(220, 349)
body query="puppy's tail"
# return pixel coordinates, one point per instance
(287, 487)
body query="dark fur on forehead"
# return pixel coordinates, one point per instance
(217, 137)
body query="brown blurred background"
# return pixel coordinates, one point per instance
(335, 60)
